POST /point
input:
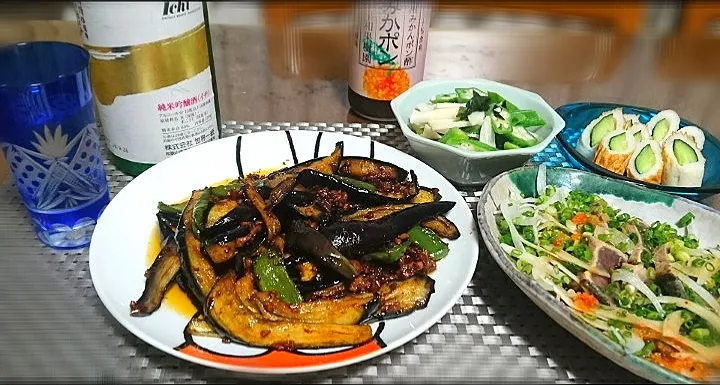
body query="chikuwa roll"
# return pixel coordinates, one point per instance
(596, 130)
(663, 124)
(615, 150)
(631, 120)
(639, 131)
(646, 162)
(684, 163)
(695, 134)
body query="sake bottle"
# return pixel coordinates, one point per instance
(151, 70)
(387, 55)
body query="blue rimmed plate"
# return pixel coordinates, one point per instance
(578, 115)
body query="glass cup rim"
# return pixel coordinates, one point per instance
(78, 48)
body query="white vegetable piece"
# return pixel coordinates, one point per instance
(443, 125)
(487, 135)
(634, 344)
(429, 133)
(635, 281)
(703, 312)
(700, 291)
(476, 118)
(419, 117)
(541, 180)
(427, 106)
(449, 105)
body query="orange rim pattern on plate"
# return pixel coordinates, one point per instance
(279, 359)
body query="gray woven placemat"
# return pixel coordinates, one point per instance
(53, 326)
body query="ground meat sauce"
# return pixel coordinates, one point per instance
(393, 188)
(415, 260)
(401, 238)
(372, 276)
(333, 201)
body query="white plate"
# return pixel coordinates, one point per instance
(118, 251)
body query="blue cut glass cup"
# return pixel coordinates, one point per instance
(50, 139)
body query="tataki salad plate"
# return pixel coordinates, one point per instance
(632, 272)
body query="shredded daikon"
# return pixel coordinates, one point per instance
(637, 283)
(542, 268)
(564, 256)
(672, 324)
(541, 180)
(571, 226)
(594, 322)
(712, 318)
(634, 344)
(699, 290)
(565, 270)
(607, 312)
(552, 220)
(542, 271)
(701, 273)
(701, 353)
(516, 238)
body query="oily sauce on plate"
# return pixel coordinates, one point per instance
(175, 298)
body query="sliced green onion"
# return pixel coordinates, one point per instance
(685, 220)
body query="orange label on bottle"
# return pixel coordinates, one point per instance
(388, 54)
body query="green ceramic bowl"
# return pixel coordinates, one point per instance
(646, 204)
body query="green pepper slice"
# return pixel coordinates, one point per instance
(521, 137)
(199, 213)
(357, 183)
(272, 276)
(391, 254)
(429, 241)
(223, 190)
(171, 209)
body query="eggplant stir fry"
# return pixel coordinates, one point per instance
(304, 257)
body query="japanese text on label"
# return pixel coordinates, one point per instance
(391, 33)
(188, 122)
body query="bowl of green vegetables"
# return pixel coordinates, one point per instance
(471, 130)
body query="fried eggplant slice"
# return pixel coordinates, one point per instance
(231, 319)
(426, 195)
(272, 223)
(306, 240)
(442, 227)
(158, 278)
(349, 310)
(374, 213)
(398, 298)
(394, 192)
(199, 327)
(327, 165)
(365, 169)
(355, 238)
(198, 272)
(219, 210)
(240, 241)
